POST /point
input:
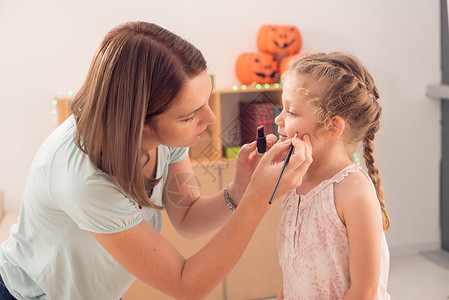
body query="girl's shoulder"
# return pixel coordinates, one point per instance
(355, 192)
(354, 183)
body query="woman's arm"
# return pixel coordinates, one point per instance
(281, 293)
(361, 215)
(191, 214)
(151, 258)
(194, 215)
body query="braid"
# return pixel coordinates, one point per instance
(373, 171)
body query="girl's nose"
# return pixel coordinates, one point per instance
(279, 120)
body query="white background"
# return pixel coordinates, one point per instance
(46, 48)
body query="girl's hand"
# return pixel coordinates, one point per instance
(245, 164)
(270, 166)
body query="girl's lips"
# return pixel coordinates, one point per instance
(282, 137)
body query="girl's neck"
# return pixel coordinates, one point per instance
(326, 163)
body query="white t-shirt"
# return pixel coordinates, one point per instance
(50, 253)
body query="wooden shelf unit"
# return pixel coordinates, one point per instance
(257, 275)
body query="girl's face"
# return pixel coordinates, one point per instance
(296, 115)
(183, 123)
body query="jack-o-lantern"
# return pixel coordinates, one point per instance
(256, 68)
(279, 39)
(283, 64)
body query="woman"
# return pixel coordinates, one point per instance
(90, 219)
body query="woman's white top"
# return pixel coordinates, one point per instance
(51, 253)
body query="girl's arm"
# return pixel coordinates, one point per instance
(361, 215)
(194, 215)
(152, 259)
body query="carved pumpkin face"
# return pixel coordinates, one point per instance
(279, 39)
(256, 67)
(283, 64)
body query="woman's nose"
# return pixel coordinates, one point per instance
(210, 118)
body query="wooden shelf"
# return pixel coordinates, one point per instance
(257, 275)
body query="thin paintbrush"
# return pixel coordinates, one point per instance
(289, 153)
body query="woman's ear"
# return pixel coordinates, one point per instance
(334, 128)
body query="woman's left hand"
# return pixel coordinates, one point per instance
(245, 163)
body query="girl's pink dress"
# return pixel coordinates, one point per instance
(313, 245)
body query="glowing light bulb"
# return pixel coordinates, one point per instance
(276, 85)
(234, 87)
(243, 87)
(55, 102)
(267, 85)
(70, 93)
(258, 86)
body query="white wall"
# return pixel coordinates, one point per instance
(46, 47)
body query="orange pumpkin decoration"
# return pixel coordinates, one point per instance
(256, 68)
(283, 64)
(279, 39)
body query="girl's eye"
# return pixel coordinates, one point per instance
(291, 113)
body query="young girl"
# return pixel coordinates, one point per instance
(331, 239)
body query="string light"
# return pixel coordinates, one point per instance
(54, 102)
(257, 86)
(53, 111)
(355, 155)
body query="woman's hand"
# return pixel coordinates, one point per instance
(270, 166)
(245, 164)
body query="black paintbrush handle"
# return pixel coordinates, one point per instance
(287, 159)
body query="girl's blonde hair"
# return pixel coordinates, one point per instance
(136, 74)
(346, 90)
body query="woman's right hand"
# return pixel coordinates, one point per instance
(270, 166)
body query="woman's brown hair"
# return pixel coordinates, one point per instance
(348, 91)
(136, 74)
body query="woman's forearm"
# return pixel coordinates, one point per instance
(208, 213)
(213, 262)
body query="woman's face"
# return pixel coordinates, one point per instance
(296, 115)
(186, 120)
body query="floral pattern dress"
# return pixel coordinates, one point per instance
(313, 245)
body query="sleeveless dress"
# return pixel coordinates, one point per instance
(313, 244)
